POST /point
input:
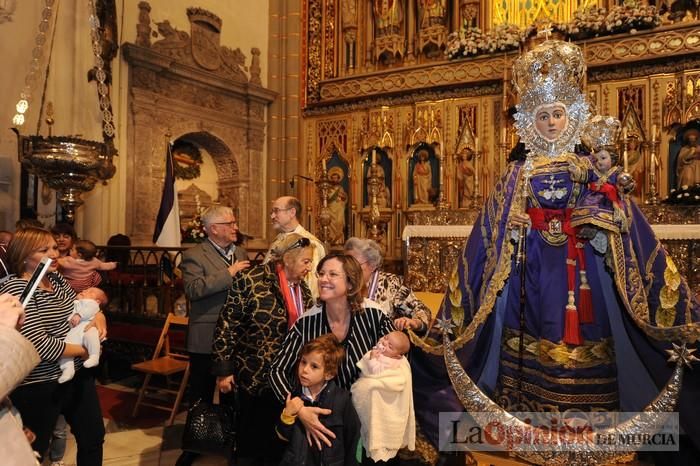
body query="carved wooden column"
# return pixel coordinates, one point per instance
(369, 35)
(455, 20)
(411, 54)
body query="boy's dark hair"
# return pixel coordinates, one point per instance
(64, 229)
(86, 249)
(331, 349)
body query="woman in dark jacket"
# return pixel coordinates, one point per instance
(263, 303)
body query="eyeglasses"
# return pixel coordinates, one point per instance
(332, 276)
(300, 243)
(231, 224)
(277, 210)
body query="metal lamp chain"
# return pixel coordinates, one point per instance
(100, 75)
(33, 74)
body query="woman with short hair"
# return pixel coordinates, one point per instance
(262, 304)
(387, 289)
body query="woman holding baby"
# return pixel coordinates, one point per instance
(342, 311)
(40, 398)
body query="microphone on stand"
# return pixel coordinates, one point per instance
(291, 182)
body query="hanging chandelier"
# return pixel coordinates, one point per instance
(69, 165)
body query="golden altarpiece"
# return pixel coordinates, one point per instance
(398, 137)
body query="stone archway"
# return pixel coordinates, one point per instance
(229, 182)
(172, 95)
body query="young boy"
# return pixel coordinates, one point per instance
(80, 268)
(318, 364)
(383, 398)
(86, 305)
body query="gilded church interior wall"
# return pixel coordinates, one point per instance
(378, 67)
(345, 141)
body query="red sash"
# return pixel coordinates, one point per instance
(607, 189)
(290, 304)
(559, 221)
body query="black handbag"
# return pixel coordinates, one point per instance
(210, 428)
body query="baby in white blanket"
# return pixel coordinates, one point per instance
(383, 398)
(388, 352)
(86, 305)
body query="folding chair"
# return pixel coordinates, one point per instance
(166, 363)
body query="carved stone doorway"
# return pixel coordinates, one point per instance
(217, 107)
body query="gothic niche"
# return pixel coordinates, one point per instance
(187, 86)
(433, 27)
(684, 165)
(389, 31)
(424, 176)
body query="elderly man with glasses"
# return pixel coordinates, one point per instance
(208, 270)
(285, 214)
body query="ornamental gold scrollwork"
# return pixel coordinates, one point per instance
(645, 46)
(476, 70)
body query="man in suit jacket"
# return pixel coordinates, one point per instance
(207, 271)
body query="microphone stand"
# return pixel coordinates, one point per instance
(291, 182)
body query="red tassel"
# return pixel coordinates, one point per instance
(585, 301)
(572, 331)
(585, 305)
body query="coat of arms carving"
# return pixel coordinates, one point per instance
(205, 29)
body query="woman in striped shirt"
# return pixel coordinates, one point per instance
(40, 398)
(342, 311)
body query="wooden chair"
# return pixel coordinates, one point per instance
(166, 363)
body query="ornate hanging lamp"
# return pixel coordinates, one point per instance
(69, 165)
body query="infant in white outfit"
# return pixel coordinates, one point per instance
(86, 305)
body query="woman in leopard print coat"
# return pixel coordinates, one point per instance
(387, 289)
(262, 304)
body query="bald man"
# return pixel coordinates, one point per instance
(285, 214)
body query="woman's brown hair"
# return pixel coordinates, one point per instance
(353, 273)
(24, 243)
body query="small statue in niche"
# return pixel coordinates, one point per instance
(635, 163)
(388, 16)
(432, 13)
(469, 12)
(465, 176)
(422, 178)
(688, 164)
(377, 170)
(337, 202)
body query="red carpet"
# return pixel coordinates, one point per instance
(117, 405)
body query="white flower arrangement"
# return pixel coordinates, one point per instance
(472, 41)
(632, 16)
(194, 232)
